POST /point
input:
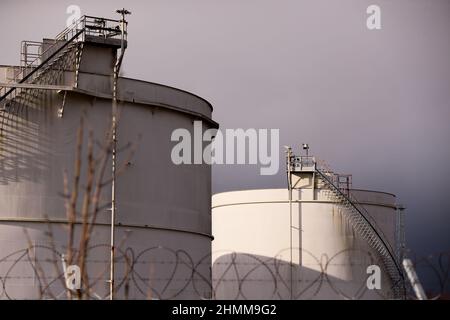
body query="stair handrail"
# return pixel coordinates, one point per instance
(26, 77)
(83, 23)
(62, 36)
(330, 176)
(366, 216)
(354, 201)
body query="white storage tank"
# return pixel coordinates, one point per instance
(254, 256)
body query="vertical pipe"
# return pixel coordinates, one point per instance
(117, 65)
(288, 162)
(113, 182)
(113, 171)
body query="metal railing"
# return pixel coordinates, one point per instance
(367, 227)
(34, 73)
(302, 163)
(95, 26)
(91, 26)
(33, 62)
(359, 217)
(324, 171)
(29, 53)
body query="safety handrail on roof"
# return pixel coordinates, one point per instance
(27, 76)
(91, 26)
(77, 31)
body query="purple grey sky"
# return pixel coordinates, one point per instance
(372, 103)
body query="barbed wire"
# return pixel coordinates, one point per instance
(158, 272)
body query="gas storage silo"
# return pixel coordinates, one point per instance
(56, 181)
(318, 239)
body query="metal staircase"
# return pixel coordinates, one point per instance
(357, 216)
(46, 69)
(367, 228)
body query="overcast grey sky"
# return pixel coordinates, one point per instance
(372, 103)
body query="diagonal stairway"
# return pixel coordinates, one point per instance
(366, 227)
(45, 70)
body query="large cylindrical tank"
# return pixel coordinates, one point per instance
(163, 222)
(254, 256)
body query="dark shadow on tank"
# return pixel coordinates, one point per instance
(241, 276)
(25, 143)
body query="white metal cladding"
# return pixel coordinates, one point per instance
(251, 236)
